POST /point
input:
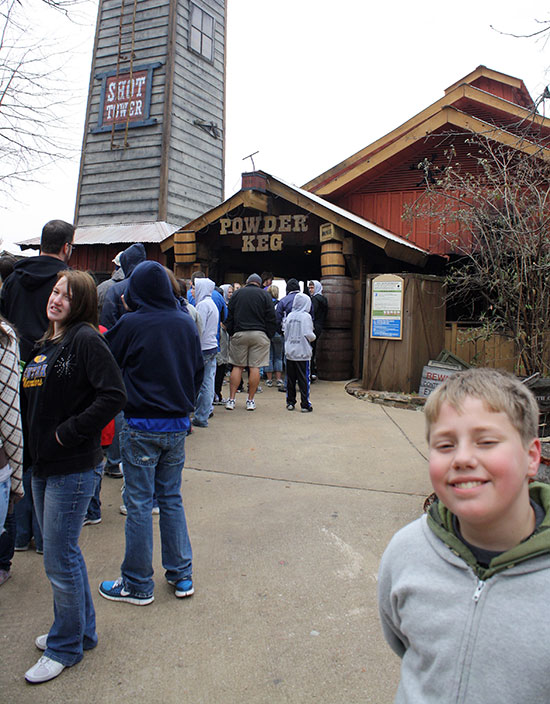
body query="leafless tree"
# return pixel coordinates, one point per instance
(495, 216)
(33, 97)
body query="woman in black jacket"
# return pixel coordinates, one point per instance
(72, 389)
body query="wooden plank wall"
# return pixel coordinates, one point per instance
(196, 158)
(497, 352)
(124, 184)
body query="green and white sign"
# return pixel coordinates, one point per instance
(387, 307)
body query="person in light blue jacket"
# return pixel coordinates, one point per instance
(210, 316)
(298, 332)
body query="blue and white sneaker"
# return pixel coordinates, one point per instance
(183, 588)
(115, 592)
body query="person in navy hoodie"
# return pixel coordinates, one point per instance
(158, 349)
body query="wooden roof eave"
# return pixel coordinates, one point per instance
(483, 71)
(392, 248)
(446, 116)
(324, 184)
(248, 199)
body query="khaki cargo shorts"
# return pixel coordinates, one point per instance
(249, 348)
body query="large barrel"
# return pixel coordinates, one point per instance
(335, 355)
(332, 259)
(185, 247)
(339, 294)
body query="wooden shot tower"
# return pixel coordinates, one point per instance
(153, 147)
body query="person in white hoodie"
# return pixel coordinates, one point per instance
(210, 316)
(298, 332)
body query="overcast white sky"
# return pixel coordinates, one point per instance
(310, 82)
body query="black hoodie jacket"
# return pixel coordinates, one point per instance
(24, 297)
(75, 396)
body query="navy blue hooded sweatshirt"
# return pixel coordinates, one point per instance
(157, 347)
(112, 304)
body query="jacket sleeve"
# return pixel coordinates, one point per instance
(10, 415)
(105, 378)
(388, 609)
(230, 320)
(309, 334)
(112, 305)
(270, 318)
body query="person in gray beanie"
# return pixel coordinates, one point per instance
(250, 324)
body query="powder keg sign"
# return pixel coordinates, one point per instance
(263, 233)
(125, 98)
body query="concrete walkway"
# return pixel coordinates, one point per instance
(288, 514)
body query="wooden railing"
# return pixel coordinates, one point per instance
(498, 351)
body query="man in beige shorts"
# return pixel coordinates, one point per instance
(250, 324)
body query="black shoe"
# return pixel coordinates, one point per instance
(308, 409)
(290, 407)
(115, 472)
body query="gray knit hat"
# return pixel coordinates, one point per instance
(254, 279)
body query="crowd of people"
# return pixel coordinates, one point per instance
(111, 379)
(468, 578)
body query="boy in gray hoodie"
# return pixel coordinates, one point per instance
(464, 589)
(298, 332)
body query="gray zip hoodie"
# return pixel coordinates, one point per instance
(209, 314)
(467, 634)
(298, 329)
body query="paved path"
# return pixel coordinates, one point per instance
(288, 514)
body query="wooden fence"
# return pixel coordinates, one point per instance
(498, 351)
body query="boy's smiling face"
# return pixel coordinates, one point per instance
(479, 469)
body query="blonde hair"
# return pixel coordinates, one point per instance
(500, 391)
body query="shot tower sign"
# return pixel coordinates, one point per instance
(153, 147)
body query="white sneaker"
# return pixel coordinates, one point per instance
(124, 511)
(41, 642)
(230, 405)
(44, 670)
(250, 405)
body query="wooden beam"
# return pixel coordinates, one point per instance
(446, 116)
(256, 200)
(324, 184)
(399, 251)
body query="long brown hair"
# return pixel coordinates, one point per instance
(82, 290)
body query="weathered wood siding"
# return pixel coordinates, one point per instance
(498, 351)
(167, 171)
(196, 158)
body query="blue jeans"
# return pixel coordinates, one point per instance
(275, 354)
(94, 507)
(112, 453)
(206, 393)
(26, 520)
(153, 462)
(5, 488)
(7, 542)
(61, 502)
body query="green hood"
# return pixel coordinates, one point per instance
(440, 520)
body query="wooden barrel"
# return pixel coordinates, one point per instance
(185, 247)
(339, 294)
(335, 355)
(332, 259)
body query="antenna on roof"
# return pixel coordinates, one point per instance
(251, 159)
